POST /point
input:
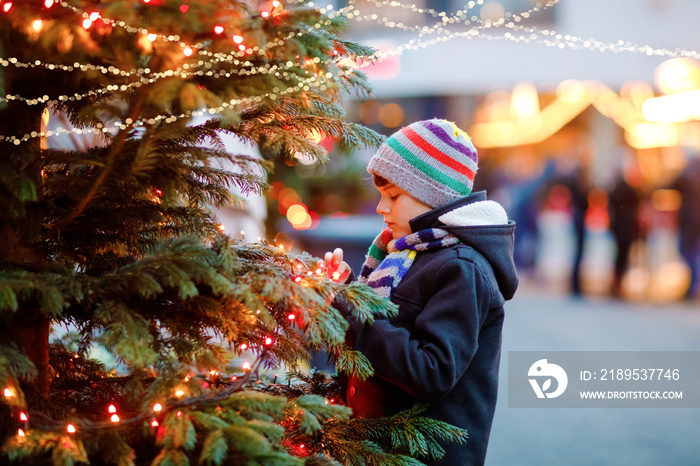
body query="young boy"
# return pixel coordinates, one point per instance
(446, 259)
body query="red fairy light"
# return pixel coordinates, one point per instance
(233, 378)
(268, 340)
(297, 279)
(154, 423)
(218, 29)
(158, 192)
(243, 346)
(179, 414)
(115, 418)
(264, 14)
(205, 385)
(291, 317)
(23, 417)
(184, 8)
(238, 39)
(48, 3)
(6, 7)
(20, 432)
(112, 409)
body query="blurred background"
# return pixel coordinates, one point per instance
(585, 115)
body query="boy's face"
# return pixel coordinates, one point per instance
(398, 207)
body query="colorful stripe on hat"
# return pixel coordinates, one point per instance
(426, 169)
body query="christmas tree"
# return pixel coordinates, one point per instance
(118, 241)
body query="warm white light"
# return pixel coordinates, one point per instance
(37, 25)
(115, 418)
(20, 432)
(264, 14)
(525, 102)
(112, 409)
(218, 29)
(7, 392)
(48, 3)
(238, 39)
(684, 106)
(152, 37)
(246, 366)
(187, 51)
(70, 428)
(87, 23)
(179, 393)
(157, 407)
(23, 417)
(6, 7)
(678, 75)
(268, 340)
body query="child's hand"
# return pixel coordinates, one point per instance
(337, 269)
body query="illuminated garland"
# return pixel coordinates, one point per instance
(303, 84)
(301, 273)
(549, 38)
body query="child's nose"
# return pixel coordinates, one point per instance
(382, 207)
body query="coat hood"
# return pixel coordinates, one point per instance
(484, 226)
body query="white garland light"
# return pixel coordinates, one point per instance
(548, 38)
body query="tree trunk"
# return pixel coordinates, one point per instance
(21, 247)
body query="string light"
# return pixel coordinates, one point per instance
(23, 417)
(268, 340)
(114, 418)
(20, 432)
(112, 409)
(6, 7)
(246, 366)
(8, 393)
(157, 407)
(154, 423)
(179, 393)
(547, 38)
(70, 428)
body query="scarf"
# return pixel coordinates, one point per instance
(388, 260)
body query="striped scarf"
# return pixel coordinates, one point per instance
(388, 260)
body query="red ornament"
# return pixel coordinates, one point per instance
(184, 8)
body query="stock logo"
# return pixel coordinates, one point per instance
(544, 371)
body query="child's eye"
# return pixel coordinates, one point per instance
(393, 196)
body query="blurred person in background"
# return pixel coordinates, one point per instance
(688, 184)
(623, 209)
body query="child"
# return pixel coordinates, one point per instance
(446, 259)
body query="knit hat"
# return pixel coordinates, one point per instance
(432, 160)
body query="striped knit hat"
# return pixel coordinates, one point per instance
(432, 160)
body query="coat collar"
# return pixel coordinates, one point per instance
(430, 219)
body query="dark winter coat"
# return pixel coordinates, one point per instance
(444, 346)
